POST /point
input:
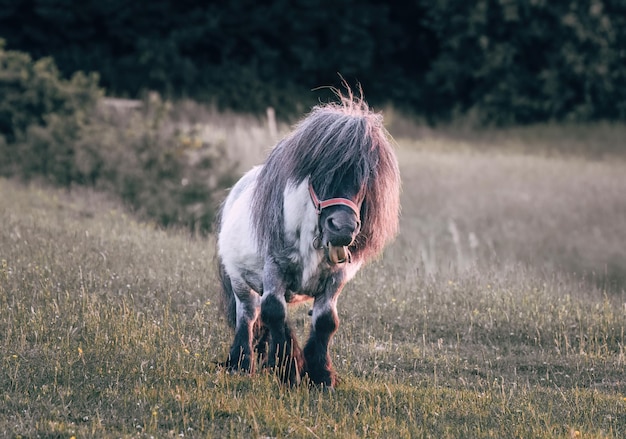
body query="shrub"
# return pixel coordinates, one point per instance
(162, 171)
(40, 115)
(60, 131)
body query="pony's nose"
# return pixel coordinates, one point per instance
(342, 228)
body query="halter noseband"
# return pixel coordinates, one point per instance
(321, 205)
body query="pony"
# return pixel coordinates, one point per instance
(299, 227)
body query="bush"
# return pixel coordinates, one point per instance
(162, 171)
(524, 61)
(61, 131)
(40, 115)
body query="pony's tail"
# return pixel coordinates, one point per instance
(228, 297)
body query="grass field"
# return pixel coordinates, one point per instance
(500, 311)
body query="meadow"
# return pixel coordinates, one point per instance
(499, 311)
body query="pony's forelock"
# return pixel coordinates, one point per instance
(348, 102)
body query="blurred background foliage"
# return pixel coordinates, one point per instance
(487, 62)
(501, 62)
(61, 131)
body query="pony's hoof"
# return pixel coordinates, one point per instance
(242, 366)
(321, 387)
(325, 384)
(287, 375)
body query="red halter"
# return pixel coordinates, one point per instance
(320, 205)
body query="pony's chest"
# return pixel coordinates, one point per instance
(304, 273)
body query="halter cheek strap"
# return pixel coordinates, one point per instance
(321, 205)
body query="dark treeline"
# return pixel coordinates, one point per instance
(504, 61)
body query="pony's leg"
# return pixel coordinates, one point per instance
(324, 323)
(285, 355)
(261, 341)
(240, 356)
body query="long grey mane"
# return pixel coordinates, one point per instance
(333, 141)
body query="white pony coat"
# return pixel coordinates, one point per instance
(237, 243)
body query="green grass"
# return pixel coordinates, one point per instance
(500, 311)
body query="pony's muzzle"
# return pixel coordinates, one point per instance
(341, 228)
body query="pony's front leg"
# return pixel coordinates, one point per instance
(285, 356)
(240, 356)
(324, 323)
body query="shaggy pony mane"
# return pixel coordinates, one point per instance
(334, 140)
